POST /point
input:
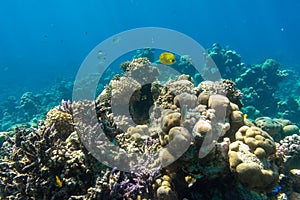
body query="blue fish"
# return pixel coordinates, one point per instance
(275, 191)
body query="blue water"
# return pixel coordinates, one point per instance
(44, 40)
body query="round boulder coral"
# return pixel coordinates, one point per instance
(273, 127)
(203, 98)
(249, 159)
(201, 128)
(170, 120)
(165, 190)
(220, 104)
(254, 137)
(185, 99)
(179, 141)
(236, 119)
(254, 177)
(290, 130)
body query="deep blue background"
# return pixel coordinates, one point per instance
(43, 40)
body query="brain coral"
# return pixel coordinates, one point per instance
(273, 127)
(249, 159)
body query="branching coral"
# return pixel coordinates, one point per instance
(41, 156)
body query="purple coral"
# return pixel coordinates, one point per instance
(137, 182)
(140, 179)
(281, 150)
(66, 106)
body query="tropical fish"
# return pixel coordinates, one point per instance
(275, 191)
(190, 180)
(167, 58)
(59, 182)
(245, 116)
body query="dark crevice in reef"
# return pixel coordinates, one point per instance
(140, 103)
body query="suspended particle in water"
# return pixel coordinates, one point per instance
(152, 40)
(101, 57)
(116, 39)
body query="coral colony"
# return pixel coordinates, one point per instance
(255, 155)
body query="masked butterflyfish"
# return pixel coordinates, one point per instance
(167, 58)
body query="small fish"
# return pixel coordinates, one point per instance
(245, 116)
(167, 58)
(275, 191)
(59, 182)
(190, 180)
(116, 39)
(101, 56)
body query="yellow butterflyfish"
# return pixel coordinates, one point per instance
(245, 116)
(59, 182)
(167, 58)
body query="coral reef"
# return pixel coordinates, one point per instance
(291, 145)
(228, 61)
(288, 106)
(277, 128)
(44, 164)
(145, 53)
(146, 139)
(260, 84)
(29, 103)
(269, 125)
(31, 107)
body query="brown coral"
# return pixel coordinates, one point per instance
(61, 121)
(170, 119)
(249, 159)
(254, 137)
(165, 190)
(273, 127)
(185, 99)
